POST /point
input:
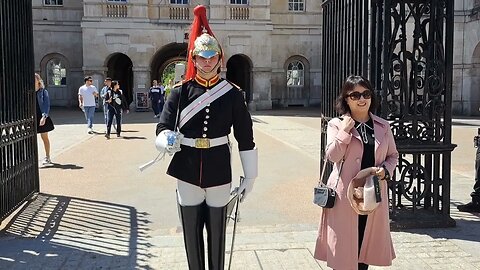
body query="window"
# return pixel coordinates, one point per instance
(296, 5)
(295, 74)
(122, 1)
(56, 73)
(239, 2)
(179, 2)
(53, 2)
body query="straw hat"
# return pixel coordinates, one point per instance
(361, 195)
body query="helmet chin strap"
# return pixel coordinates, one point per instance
(208, 75)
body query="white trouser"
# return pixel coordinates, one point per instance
(189, 195)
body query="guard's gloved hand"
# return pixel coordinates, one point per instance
(249, 160)
(168, 141)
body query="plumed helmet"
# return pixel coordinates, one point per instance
(206, 46)
(201, 42)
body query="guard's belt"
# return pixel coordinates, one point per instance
(203, 143)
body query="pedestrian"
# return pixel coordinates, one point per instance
(202, 166)
(86, 101)
(474, 205)
(44, 122)
(161, 102)
(360, 143)
(168, 88)
(116, 103)
(155, 95)
(107, 83)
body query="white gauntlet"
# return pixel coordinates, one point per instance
(168, 141)
(249, 160)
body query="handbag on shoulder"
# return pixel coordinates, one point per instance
(323, 195)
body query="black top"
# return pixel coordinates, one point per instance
(155, 93)
(367, 135)
(118, 100)
(207, 167)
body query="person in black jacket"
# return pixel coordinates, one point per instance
(198, 116)
(116, 103)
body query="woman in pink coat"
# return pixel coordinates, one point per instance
(365, 142)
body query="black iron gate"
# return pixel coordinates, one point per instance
(405, 48)
(18, 144)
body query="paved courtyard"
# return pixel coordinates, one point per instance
(97, 211)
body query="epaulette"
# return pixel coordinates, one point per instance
(180, 83)
(239, 88)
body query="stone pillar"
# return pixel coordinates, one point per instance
(261, 89)
(141, 84)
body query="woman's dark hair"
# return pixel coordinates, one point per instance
(350, 82)
(112, 85)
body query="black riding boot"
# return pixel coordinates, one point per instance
(193, 220)
(216, 229)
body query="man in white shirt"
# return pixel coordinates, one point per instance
(86, 101)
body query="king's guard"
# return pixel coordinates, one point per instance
(194, 127)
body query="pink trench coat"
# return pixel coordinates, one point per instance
(337, 241)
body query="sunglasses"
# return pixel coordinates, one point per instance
(356, 95)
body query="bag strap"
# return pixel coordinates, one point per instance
(324, 167)
(320, 181)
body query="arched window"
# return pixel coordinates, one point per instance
(56, 73)
(295, 74)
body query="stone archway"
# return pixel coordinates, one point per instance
(168, 54)
(119, 67)
(239, 70)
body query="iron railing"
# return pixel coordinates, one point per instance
(18, 143)
(410, 64)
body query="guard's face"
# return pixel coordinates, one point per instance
(206, 64)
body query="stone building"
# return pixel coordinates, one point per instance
(466, 58)
(273, 45)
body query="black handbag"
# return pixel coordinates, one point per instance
(324, 196)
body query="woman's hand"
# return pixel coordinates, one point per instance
(379, 172)
(42, 120)
(347, 123)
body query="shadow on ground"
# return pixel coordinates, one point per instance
(55, 165)
(466, 227)
(58, 232)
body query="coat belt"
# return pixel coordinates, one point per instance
(203, 143)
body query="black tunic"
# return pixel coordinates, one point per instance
(207, 167)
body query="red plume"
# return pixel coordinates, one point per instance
(199, 22)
